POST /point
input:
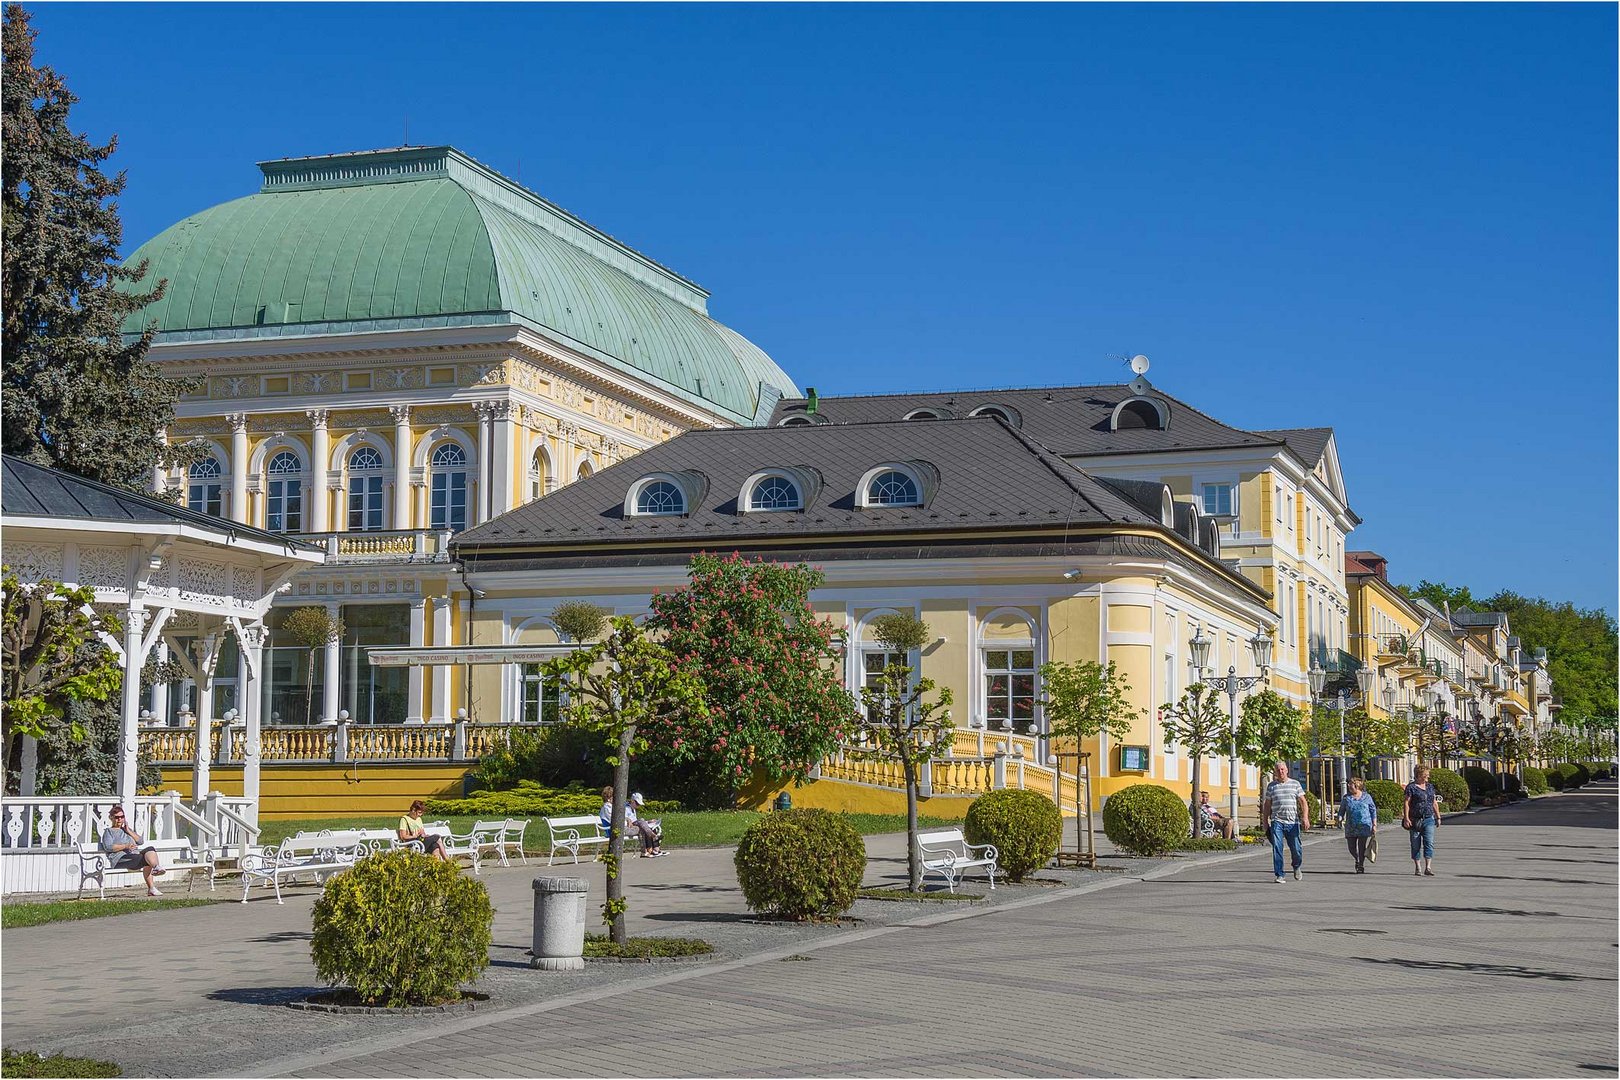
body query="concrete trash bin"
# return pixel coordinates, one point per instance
(559, 924)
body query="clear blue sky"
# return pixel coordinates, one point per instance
(1398, 220)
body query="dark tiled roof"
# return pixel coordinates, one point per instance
(1464, 617)
(31, 490)
(1307, 443)
(1073, 421)
(986, 479)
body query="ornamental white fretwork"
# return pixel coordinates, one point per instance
(104, 567)
(35, 562)
(245, 585)
(201, 579)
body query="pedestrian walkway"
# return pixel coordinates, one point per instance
(1213, 971)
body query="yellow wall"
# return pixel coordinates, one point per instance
(332, 790)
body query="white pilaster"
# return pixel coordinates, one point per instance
(320, 450)
(500, 489)
(331, 671)
(414, 705)
(202, 704)
(129, 744)
(250, 675)
(239, 464)
(402, 465)
(481, 500)
(441, 675)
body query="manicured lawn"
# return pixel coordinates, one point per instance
(49, 911)
(698, 828)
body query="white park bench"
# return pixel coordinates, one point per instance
(318, 856)
(948, 854)
(570, 834)
(173, 855)
(485, 837)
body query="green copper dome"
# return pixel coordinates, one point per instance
(426, 237)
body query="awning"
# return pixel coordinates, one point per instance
(468, 654)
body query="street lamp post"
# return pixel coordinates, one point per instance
(1364, 678)
(1233, 684)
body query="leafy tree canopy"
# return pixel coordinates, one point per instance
(1083, 698)
(53, 655)
(75, 395)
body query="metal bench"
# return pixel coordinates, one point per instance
(488, 837)
(948, 854)
(319, 856)
(570, 834)
(174, 855)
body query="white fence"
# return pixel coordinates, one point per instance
(40, 835)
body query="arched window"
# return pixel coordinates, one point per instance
(584, 470)
(365, 490)
(1138, 415)
(775, 493)
(284, 506)
(660, 497)
(448, 509)
(892, 488)
(994, 410)
(796, 421)
(541, 481)
(204, 493)
(924, 414)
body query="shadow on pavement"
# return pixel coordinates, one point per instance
(699, 916)
(1487, 911)
(281, 936)
(1512, 971)
(1538, 880)
(265, 995)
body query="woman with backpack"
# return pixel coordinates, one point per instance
(1360, 816)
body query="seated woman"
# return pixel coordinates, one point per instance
(649, 835)
(410, 828)
(1218, 822)
(123, 846)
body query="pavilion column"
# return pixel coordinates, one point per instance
(320, 449)
(160, 689)
(251, 673)
(239, 466)
(402, 465)
(157, 470)
(332, 668)
(129, 743)
(414, 705)
(484, 409)
(500, 488)
(202, 706)
(28, 781)
(441, 674)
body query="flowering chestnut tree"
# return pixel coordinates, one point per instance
(775, 705)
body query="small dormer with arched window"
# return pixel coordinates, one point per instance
(672, 494)
(1005, 413)
(1140, 414)
(927, 414)
(897, 483)
(792, 487)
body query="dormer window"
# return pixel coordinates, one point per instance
(925, 414)
(780, 487)
(1140, 414)
(796, 421)
(1003, 412)
(660, 497)
(775, 493)
(892, 488)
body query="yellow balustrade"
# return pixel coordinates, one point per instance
(963, 775)
(361, 544)
(483, 738)
(412, 742)
(295, 744)
(169, 744)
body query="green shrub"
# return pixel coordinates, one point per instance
(1583, 775)
(554, 755)
(800, 864)
(1555, 777)
(1481, 784)
(1315, 806)
(1507, 783)
(1025, 827)
(530, 799)
(1388, 796)
(1146, 819)
(1386, 816)
(28, 1063)
(1206, 843)
(402, 929)
(1598, 769)
(1453, 789)
(1568, 775)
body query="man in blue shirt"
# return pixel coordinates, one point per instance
(1284, 814)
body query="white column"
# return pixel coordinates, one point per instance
(157, 470)
(331, 671)
(441, 675)
(134, 628)
(402, 466)
(320, 451)
(483, 409)
(500, 488)
(28, 782)
(414, 705)
(250, 673)
(202, 704)
(239, 464)
(160, 690)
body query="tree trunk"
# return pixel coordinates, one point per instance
(913, 866)
(1193, 811)
(621, 799)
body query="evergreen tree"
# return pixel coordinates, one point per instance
(77, 396)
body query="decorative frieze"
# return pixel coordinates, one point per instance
(35, 562)
(104, 567)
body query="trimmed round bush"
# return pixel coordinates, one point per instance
(1507, 783)
(1555, 778)
(1388, 796)
(1453, 789)
(1146, 819)
(1025, 827)
(1481, 784)
(1598, 769)
(1535, 780)
(402, 929)
(1583, 775)
(800, 864)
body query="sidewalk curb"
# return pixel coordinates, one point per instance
(394, 1040)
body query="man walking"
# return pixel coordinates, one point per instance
(1284, 814)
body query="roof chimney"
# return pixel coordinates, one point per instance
(810, 400)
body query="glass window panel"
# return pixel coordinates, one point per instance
(1024, 659)
(1023, 708)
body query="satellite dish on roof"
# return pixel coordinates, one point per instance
(1139, 364)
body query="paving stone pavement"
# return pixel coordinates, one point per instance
(1504, 965)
